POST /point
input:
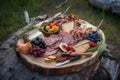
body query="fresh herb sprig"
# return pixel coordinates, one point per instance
(30, 28)
(42, 25)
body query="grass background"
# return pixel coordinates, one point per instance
(12, 17)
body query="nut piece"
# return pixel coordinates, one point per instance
(51, 57)
(48, 60)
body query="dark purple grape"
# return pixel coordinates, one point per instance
(94, 32)
(43, 51)
(33, 49)
(93, 36)
(42, 42)
(33, 41)
(40, 39)
(39, 42)
(37, 52)
(37, 38)
(36, 42)
(40, 54)
(44, 47)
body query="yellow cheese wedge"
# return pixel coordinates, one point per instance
(68, 26)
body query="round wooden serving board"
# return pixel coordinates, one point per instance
(38, 64)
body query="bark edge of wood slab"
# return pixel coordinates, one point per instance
(60, 70)
(38, 64)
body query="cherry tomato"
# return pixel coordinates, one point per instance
(51, 24)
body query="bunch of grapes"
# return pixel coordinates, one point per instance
(94, 36)
(39, 42)
(37, 52)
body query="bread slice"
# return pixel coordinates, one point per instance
(82, 48)
(68, 26)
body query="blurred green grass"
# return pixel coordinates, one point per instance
(12, 17)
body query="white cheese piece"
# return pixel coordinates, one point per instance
(68, 26)
(35, 33)
(86, 26)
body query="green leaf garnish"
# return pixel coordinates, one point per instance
(42, 25)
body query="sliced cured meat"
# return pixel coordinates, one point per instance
(78, 34)
(52, 43)
(50, 51)
(63, 21)
(67, 38)
(60, 59)
(72, 17)
(60, 21)
(52, 39)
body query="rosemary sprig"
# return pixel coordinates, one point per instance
(103, 47)
(42, 25)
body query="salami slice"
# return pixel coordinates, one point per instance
(67, 38)
(52, 40)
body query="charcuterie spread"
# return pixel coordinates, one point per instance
(63, 42)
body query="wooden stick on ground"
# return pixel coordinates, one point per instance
(98, 27)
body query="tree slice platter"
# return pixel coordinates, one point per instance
(49, 68)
